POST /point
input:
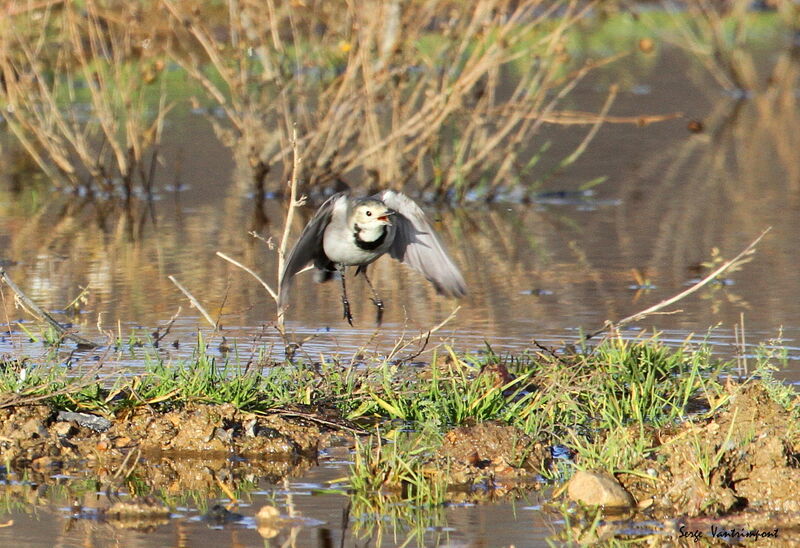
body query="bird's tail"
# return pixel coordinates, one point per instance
(325, 275)
(283, 292)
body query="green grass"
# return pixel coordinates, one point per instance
(617, 384)
(613, 393)
(605, 404)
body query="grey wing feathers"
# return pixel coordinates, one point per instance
(416, 244)
(308, 247)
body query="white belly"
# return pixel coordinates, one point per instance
(345, 251)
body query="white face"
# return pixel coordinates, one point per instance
(371, 213)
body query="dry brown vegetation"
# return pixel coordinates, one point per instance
(75, 90)
(393, 92)
(447, 96)
(442, 98)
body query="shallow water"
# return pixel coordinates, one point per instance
(311, 517)
(541, 272)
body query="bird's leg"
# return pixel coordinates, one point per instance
(345, 302)
(375, 299)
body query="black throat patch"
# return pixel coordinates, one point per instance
(369, 246)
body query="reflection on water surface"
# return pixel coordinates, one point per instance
(543, 271)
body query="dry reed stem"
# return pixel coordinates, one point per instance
(12, 9)
(251, 272)
(40, 313)
(194, 301)
(571, 117)
(294, 203)
(161, 336)
(612, 94)
(736, 261)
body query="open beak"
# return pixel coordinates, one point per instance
(385, 216)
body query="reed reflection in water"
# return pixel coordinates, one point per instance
(542, 271)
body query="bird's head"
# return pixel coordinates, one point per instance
(371, 213)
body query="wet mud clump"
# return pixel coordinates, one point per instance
(38, 437)
(743, 458)
(142, 513)
(489, 452)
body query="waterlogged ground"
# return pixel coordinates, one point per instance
(541, 272)
(567, 262)
(303, 490)
(206, 474)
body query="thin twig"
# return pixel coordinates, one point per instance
(195, 302)
(294, 203)
(663, 304)
(363, 347)
(573, 117)
(311, 417)
(41, 313)
(425, 336)
(171, 321)
(121, 471)
(612, 94)
(251, 272)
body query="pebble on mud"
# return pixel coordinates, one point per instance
(595, 489)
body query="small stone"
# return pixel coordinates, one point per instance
(63, 429)
(86, 420)
(32, 428)
(43, 462)
(123, 441)
(594, 489)
(250, 428)
(267, 512)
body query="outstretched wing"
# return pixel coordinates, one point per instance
(416, 244)
(308, 247)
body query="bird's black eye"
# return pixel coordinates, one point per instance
(369, 214)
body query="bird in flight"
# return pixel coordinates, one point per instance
(348, 231)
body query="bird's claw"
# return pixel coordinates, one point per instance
(347, 315)
(379, 310)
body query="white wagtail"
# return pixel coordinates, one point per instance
(349, 231)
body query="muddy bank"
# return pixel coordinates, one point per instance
(743, 458)
(730, 478)
(738, 467)
(40, 438)
(194, 448)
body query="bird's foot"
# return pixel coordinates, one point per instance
(379, 311)
(347, 315)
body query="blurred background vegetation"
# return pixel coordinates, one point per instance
(440, 98)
